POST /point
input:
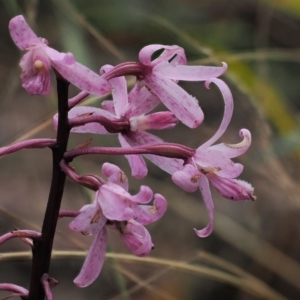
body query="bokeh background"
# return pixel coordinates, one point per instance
(254, 250)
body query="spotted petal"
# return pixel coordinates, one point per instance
(189, 73)
(232, 189)
(115, 175)
(94, 261)
(22, 35)
(90, 220)
(79, 75)
(147, 214)
(119, 91)
(137, 164)
(187, 178)
(137, 238)
(213, 161)
(184, 106)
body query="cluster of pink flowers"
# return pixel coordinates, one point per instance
(129, 116)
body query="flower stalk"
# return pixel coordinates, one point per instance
(42, 247)
(170, 150)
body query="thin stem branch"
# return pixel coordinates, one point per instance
(165, 149)
(77, 99)
(33, 143)
(42, 247)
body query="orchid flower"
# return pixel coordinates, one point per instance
(213, 164)
(132, 110)
(160, 76)
(115, 208)
(37, 62)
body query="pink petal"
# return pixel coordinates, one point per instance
(108, 105)
(228, 110)
(155, 121)
(22, 34)
(138, 138)
(78, 74)
(35, 81)
(115, 175)
(147, 214)
(90, 219)
(184, 106)
(187, 178)
(206, 194)
(146, 53)
(234, 150)
(135, 92)
(189, 73)
(137, 164)
(232, 189)
(115, 202)
(141, 102)
(213, 161)
(143, 196)
(169, 165)
(38, 85)
(119, 91)
(94, 261)
(137, 238)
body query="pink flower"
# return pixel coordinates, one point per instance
(115, 208)
(213, 164)
(132, 110)
(160, 76)
(37, 62)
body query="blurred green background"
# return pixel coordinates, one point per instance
(254, 250)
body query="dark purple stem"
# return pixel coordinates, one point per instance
(42, 247)
(165, 149)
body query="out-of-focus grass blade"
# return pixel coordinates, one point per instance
(12, 7)
(288, 6)
(119, 278)
(142, 284)
(265, 95)
(282, 55)
(207, 272)
(72, 37)
(67, 7)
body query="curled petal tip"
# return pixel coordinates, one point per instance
(245, 133)
(245, 143)
(205, 232)
(225, 66)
